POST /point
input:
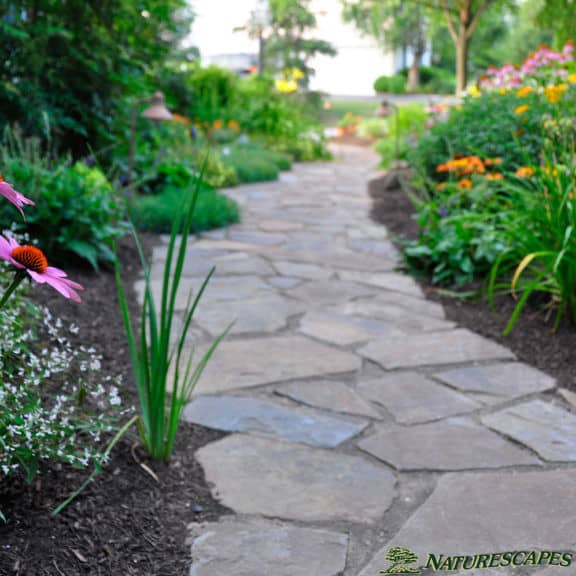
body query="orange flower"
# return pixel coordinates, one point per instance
(521, 109)
(234, 125)
(465, 183)
(523, 92)
(181, 119)
(493, 161)
(525, 172)
(218, 125)
(494, 176)
(441, 186)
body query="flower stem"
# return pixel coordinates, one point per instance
(18, 277)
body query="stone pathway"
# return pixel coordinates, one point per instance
(359, 417)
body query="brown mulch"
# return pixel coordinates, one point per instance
(126, 523)
(532, 339)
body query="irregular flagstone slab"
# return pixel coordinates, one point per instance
(412, 398)
(404, 319)
(343, 330)
(238, 414)
(498, 383)
(481, 513)
(266, 477)
(300, 270)
(284, 282)
(266, 313)
(415, 305)
(263, 548)
(256, 237)
(454, 444)
(242, 264)
(325, 292)
(435, 348)
(251, 362)
(382, 248)
(390, 281)
(279, 226)
(328, 395)
(547, 429)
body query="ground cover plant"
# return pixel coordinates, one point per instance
(496, 176)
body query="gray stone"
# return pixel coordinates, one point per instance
(412, 398)
(383, 248)
(479, 513)
(344, 330)
(251, 362)
(260, 476)
(279, 226)
(412, 304)
(454, 444)
(328, 395)
(303, 270)
(390, 281)
(325, 292)
(498, 383)
(244, 264)
(435, 348)
(257, 237)
(262, 548)
(239, 414)
(284, 282)
(267, 313)
(404, 319)
(547, 429)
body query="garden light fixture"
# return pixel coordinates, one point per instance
(157, 111)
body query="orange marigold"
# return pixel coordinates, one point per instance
(494, 176)
(525, 172)
(521, 109)
(465, 183)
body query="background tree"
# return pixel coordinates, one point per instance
(69, 64)
(560, 16)
(289, 45)
(396, 25)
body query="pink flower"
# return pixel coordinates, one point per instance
(16, 198)
(33, 261)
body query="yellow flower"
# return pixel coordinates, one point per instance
(503, 91)
(525, 172)
(297, 74)
(286, 86)
(523, 92)
(474, 91)
(572, 78)
(554, 93)
(521, 109)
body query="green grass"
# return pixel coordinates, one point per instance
(158, 213)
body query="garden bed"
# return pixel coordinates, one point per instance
(126, 522)
(531, 340)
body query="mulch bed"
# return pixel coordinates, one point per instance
(125, 523)
(532, 339)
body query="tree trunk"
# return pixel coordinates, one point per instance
(414, 72)
(462, 46)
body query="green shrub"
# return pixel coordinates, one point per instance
(217, 174)
(158, 213)
(251, 166)
(373, 128)
(76, 213)
(486, 126)
(390, 84)
(404, 130)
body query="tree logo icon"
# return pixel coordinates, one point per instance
(399, 558)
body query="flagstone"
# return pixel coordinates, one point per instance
(413, 398)
(489, 512)
(240, 414)
(247, 362)
(263, 547)
(267, 477)
(328, 395)
(453, 444)
(499, 382)
(545, 428)
(435, 348)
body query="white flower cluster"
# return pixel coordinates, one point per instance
(53, 403)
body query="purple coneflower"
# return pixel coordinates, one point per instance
(13, 196)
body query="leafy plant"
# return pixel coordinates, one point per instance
(395, 84)
(160, 366)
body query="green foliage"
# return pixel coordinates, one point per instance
(373, 128)
(164, 373)
(73, 62)
(485, 126)
(252, 165)
(76, 214)
(158, 213)
(218, 174)
(404, 130)
(390, 84)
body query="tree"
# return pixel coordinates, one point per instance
(289, 45)
(560, 16)
(395, 24)
(399, 557)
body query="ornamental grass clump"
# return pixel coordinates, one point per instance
(165, 377)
